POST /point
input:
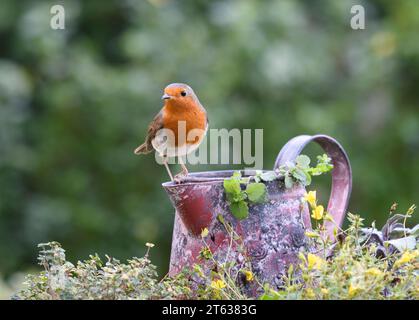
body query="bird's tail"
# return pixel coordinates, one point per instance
(143, 149)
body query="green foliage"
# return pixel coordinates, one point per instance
(223, 280)
(239, 209)
(266, 176)
(233, 190)
(301, 172)
(351, 268)
(98, 279)
(394, 235)
(355, 271)
(323, 165)
(254, 192)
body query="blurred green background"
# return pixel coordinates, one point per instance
(74, 104)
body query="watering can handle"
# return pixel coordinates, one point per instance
(341, 173)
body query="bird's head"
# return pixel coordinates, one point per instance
(178, 95)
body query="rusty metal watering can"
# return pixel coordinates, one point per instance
(274, 232)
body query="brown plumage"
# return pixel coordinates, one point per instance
(153, 127)
(181, 107)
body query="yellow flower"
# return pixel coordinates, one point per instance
(249, 275)
(310, 293)
(204, 232)
(318, 213)
(314, 262)
(352, 291)
(375, 272)
(310, 197)
(406, 257)
(324, 291)
(218, 284)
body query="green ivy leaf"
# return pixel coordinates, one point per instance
(232, 187)
(303, 161)
(288, 182)
(299, 175)
(324, 158)
(268, 176)
(237, 175)
(289, 165)
(256, 192)
(239, 209)
(323, 165)
(308, 178)
(237, 197)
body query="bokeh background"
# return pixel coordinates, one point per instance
(75, 102)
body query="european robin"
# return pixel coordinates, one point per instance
(179, 127)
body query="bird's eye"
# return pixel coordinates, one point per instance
(183, 93)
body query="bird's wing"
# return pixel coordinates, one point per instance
(153, 128)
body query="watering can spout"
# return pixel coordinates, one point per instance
(192, 203)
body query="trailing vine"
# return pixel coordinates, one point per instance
(242, 190)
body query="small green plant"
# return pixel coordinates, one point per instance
(98, 279)
(301, 172)
(394, 235)
(353, 267)
(227, 276)
(254, 190)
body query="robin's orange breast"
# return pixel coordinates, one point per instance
(193, 117)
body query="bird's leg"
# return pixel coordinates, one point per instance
(167, 168)
(184, 173)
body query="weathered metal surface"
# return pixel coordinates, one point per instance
(272, 235)
(341, 174)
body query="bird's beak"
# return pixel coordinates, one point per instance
(165, 96)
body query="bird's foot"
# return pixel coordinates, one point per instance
(180, 176)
